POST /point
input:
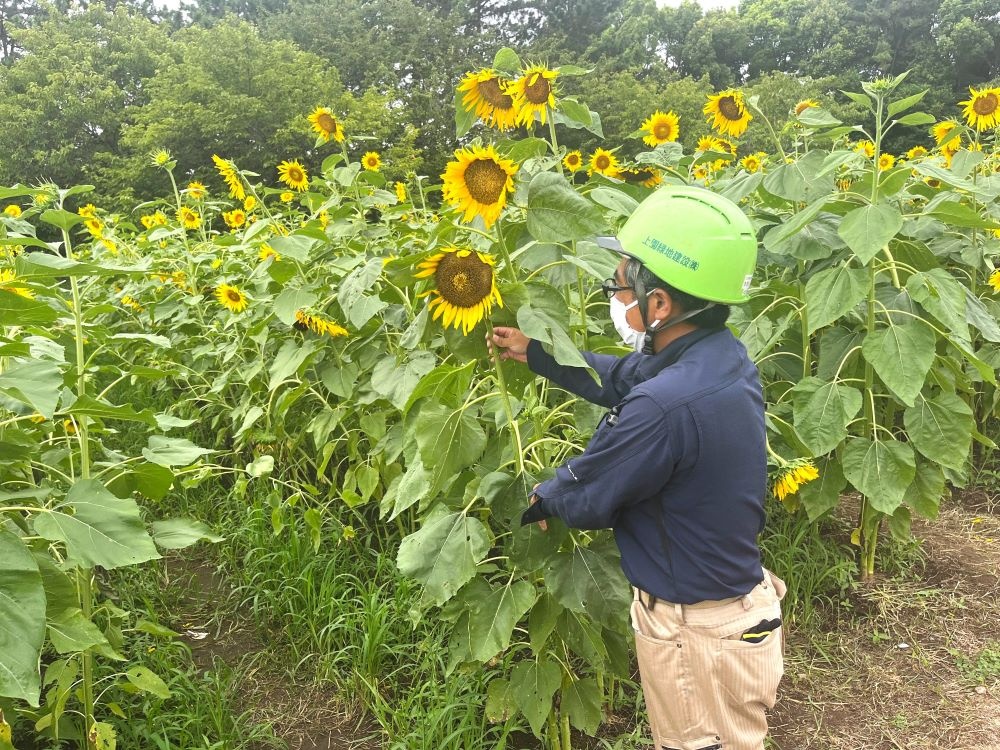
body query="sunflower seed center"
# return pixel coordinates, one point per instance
(492, 93)
(730, 109)
(538, 89)
(485, 180)
(602, 162)
(326, 122)
(233, 295)
(463, 281)
(663, 131)
(986, 105)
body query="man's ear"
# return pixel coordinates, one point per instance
(663, 304)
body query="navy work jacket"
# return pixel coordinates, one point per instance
(678, 468)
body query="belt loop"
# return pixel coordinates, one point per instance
(747, 602)
(650, 601)
(679, 611)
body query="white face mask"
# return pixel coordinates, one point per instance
(632, 338)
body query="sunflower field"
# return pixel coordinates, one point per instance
(313, 342)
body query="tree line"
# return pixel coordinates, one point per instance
(87, 89)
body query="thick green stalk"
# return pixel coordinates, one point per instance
(508, 409)
(804, 320)
(552, 138)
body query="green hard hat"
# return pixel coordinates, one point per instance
(695, 240)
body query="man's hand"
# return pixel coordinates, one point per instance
(534, 499)
(511, 341)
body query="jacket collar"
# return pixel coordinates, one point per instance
(652, 364)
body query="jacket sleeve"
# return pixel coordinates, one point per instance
(617, 374)
(624, 464)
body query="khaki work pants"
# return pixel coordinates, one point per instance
(705, 688)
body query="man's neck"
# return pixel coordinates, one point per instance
(668, 335)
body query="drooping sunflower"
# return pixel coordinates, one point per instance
(727, 112)
(793, 475)
(603, 162)
(294, 175)
(95, 227)
(886, 161)
(465, 287)
(401, 192)
(478, 182)
(317, 324)
(196, 190)
(188, 218)
(234, 219)
(371, 161)
(231, 298)
(916, 152)
(326, 125)
(805, 104)
(573, 161)
(753, 162)
(533, 93)
(13, 210)
(995, 281)
(131, 302)
(232, 178)
(844, 184)
(9, 277)
(982, 110)
(486, 95)
(661, 127)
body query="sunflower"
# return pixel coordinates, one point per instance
(129, 301)
(701, 173)
(941, 129)
(886, 161)
(478, 182)
(844, 184)
(793, 475)
(293, 174)
(371, 161)
(464, 289)
(95, 227)
(865, 147)
(916, 152)
(995, 281)
(400, 192)
(188, 218)
(534, 92)
(231, 298)
(711, 143)
(805, 104)
(661, 127)
(266, 251)
(982, 110)
(249, 204)
(160, 158)
(232, 178)
(7, 277)
(157, 219)
(753, 162)
(603, 162)
(234, 219)
(318, 324)
(13, 210)
(573, 161)
(326, 125)
(196, 190)
(287, 197)
(727, 113)
(486, 95)
(87, 212)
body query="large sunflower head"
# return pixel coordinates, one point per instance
(534, 93)
(603, 162)
(231, 176)
(188, 218)
(234, 219)
(371, 161)
(661, 127)
(486, 95)
(294, 175)
(805, 104)
(464, 288)
(325, 125)
(478, 182)
(231, 298)
(982, 110)
(791, 476)
(728, 113)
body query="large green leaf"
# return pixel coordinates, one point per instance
(446, 384)
(289, 359)
(941, 429)
(449, 440)
(534, 683)
(978, 316)
(925, 492)
(147, 681)
(291, 301)
(22, 624)
(34, 383)
(581, 701)
(16, 310)
(71, 632)
(868, 229)
(542, 621)
(92, 407)
(180, 533)
(831, 293)
(822, 411)
(881, 471)
(823, 493)
(492, 620)
(103, 530)
(557, 213)
(940, 294)
(408, 490)
(168, 451)
(538, 324)
(396, 381)
(443, 554)
(588, 579)
(801, 180)
(901, 355)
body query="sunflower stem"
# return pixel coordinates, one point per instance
(508, 409)
(552, 137)
(770, 129)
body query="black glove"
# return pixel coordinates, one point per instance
(535, 512)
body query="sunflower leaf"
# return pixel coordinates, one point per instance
(557, 213)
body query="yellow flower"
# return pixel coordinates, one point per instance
(661, 127)
(326, 125)
(916, 152)
(995, 281)
(534, 93)
(13, 210)
(727, 113)
(228, 171)
(95, 227)
(573, 161)
(287, 197)
(160, 158)
(41, 199)
(865, 147)
(294, 175)
(753, 162)
(603, 162)
(266, 251)
(711, 143)
(188, 218)
(249, 203)
(131, 302)
(318, 324)
(324, 218)
(9, 277)
(196, 190)
(147, 221)
(231, 298)
(371, 161)
(235, 218)
(700, 172)
(844, 184)
(982, 110)
(87, 212)
(645, 176)
(805, 104)
(217, 264)
(793, 475)
(941, 129)
(464, 288)
(478, 182)
(486, 95)
(400, 192)
(886, 161)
